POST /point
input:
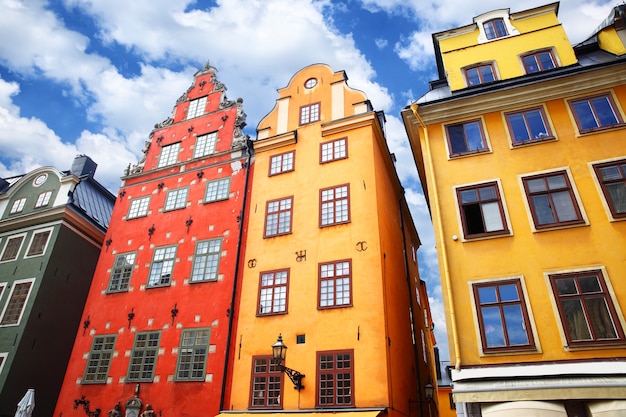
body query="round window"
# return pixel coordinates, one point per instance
(310, 83)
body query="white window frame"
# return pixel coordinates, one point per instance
(205, 144)
(197, 107)
(169, 155)
(217, 190)
(43, 199)
(32, 238)
(203, 258)
(18, 205)
(176, 199)
(3, 356)
(6, 242)
(6, 304)
(167, 266)
(138, 207)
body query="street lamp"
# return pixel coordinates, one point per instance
(429, 391)
(279, 352)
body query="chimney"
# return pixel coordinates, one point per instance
(83, 165)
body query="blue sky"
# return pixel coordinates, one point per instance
(94, 76)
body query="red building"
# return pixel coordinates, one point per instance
(158, 317)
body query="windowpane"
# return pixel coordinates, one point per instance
(18, 206)
(502, 316)
(38, 244)
(273, 292)
(206, 260)
(197, 107)
(43, 199)
(278, 217)
(192, 355)
(481, 210)
(465, 137)
(335, 284)
(333, 150)
(495, 28)
(479, 74)
(205, 145)
(596, 112)
(528, 125)
(99, 360)
(552, 200)
(335, 375)
(538, 61)
(176, 199)
(169, 155)
(587, 312)
(281, 163)
(162, 266)
(266, 383)
(334, 205)
(138, 207)
(310, 113)
(143, 357)
(12, 248)
(121, 272)
(218, 190)
(612, 177)
(15, 305)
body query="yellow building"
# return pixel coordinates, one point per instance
(330, 264)
(521, 147)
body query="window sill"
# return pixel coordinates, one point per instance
(558, 226)
(599, 344)
(470, 153)
(516, 350)
(585, 132)
(529, 142)
(485, 236)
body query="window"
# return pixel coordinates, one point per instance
(528, 126)
(176, 199)
(479, 74)
(38, 243)
(17, 301)
(310, 113)
(3, 360)
(169, 155)
(217, 190)
(281, 163)
(502, 316)
(612, 177)
(206, 260)
(333, 150)
(143, 357)
(495, 28)
(197, 107)
(551, 199)
(162, 266)
(138, 207)
(538, 61)
(278, 217)
(335, 282)
(586, 309)
(18, 205)
(466, 137)
(273, 292)
(121, 272)
(43, 199)
(481, 210)
(335, 379)
(595, 113)
(12, 248)
(205, 145)
(335, 205)
(192, 355)
(267, 383)
(99, 360)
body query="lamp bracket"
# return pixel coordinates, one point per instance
(295, 376)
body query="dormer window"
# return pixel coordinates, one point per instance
(495, 28)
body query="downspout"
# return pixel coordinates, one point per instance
(408, 283)
(444, 254)
(234, 294)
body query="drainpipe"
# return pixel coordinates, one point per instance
(231, 316)
(442, 242)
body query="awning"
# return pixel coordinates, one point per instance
(304, 413)
(590, 387)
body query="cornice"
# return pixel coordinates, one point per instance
(273, 142)
(348, 123)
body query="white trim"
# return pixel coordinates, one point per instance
(6, 242)
(3, 355)
(32, 237)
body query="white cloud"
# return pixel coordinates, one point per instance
(381, 43)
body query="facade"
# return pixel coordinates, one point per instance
(330, 266)
(160, 310)
(52, 226)
(521, 147)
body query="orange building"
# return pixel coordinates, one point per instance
(330, 265)
(520, 145)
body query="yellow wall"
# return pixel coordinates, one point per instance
(364, 325)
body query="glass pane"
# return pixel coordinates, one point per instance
(518, 124)
(508, 292)
(515, 326)
(487, 193)
(457, 139)
(536, 185)
(610, 173)
(566, 286)
(600, 318)
(543, 211)
(564, 206)
(575, 320)
(604, 112)
(468, 196)
(546, 60)
(556, 182)
(487, 73)
(536, 124)
(530, 62)
(472, 76)
(617, 192)
(492, 321)
(487, 295)
(589, 284)
(474, 136)
(491, 215)
(585, 115)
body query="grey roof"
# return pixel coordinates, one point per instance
(93, 200)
